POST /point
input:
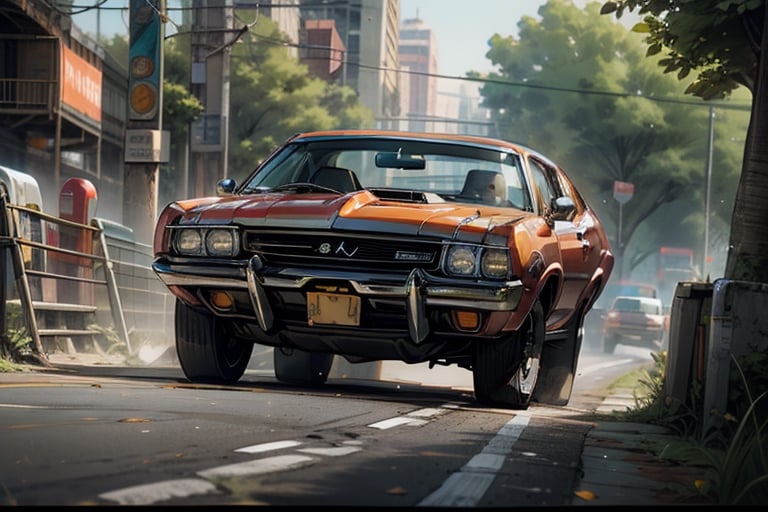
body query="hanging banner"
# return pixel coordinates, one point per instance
(80, 85)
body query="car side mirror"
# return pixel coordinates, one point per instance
(562, 208)
(226, 187)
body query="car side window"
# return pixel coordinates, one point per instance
(544, 186)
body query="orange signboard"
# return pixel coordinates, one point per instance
(80, 84)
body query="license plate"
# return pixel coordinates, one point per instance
(333, 309)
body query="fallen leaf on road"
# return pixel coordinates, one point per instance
(397, 490)
(586, 495)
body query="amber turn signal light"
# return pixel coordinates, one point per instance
(467, 320)
(222, 300)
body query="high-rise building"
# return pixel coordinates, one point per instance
(419, 59)
(368, 30)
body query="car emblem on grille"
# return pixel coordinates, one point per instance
(326, 248)
(346, 252)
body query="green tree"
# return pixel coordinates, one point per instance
(725, 42)
(579, 87)
(273, 96)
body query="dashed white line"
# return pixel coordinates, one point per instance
(335, 451)
(396, 422)
(259, 466)
(160, 491)
(265, 447)
(466, 487)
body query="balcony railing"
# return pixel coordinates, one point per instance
(27, 95)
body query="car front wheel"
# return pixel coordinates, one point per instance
(505, 372)
(207, 351)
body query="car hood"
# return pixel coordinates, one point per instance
(358, 211)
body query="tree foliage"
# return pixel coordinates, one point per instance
(579, 86)
(726, 43)
(273, 96)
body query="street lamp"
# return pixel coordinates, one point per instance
(708, 189)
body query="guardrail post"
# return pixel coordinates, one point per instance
(9, 230)
(115, 303)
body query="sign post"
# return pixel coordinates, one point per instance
(622, 192)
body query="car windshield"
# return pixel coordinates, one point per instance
(450, 171)
(637, 305)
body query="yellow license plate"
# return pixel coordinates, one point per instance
(333, 309)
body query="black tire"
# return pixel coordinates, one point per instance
(303, 368)
(558, 363)
(207, 351)
(504, 372)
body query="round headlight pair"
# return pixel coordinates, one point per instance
(210, 242)
(463, 260)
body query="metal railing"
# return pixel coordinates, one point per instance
(25, 94)
(66, 268)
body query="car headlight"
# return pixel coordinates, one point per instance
(220, 242)
(461, 260)
(189, 242)
(494, 263)
(216, 242)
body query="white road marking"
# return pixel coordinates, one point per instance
(259, 466)
(265, 447)
(411, 418)
(334, 451)
(160, 491)
(466, 487)
(396, 422)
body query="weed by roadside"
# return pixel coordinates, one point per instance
(733, 458)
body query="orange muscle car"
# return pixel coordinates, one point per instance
(381, 245)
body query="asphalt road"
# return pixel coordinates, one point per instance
(101, 435)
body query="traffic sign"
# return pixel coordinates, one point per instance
(623, 191)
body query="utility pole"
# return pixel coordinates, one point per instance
(212, 35)
(146, 146)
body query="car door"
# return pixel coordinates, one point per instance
(578, 237)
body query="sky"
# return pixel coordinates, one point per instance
(462, 33)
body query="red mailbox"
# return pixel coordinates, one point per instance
(77, 204)
(77, 200)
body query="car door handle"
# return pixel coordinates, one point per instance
(585, 245)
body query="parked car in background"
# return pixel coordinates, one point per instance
(636, 321)
(380, 245)
(593, 324)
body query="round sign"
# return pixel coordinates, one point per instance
(143, 98)
(142, 67)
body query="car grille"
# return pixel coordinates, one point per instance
(342, 251)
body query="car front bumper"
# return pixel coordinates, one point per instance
(419, 290)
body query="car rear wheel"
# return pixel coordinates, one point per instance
(558, 363)
(207, 351)
(505, 372)
(299, 367)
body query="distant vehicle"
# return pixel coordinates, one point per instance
(383, 245)
(627, 288)
(593, 324)
(675, 264)
(636, 321)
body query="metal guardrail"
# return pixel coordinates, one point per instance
(65, 268)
